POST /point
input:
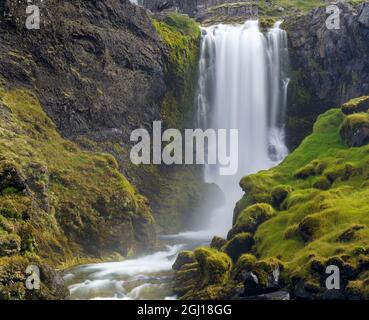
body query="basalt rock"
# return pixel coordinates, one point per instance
(329, 67)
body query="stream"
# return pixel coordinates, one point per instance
(143, 278)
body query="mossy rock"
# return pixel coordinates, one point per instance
(10, 244)
(356, 105)
(214, 266)
(186, 279)
(309, 227)
(217, 242)
(263, 269)
(350, 233)
(322, 183)
(257, 188)
(291, 232)
(184, 257)
(57, 201)
(280, 193)
(307, 171)
(358, 290)
(238, 245)
(244, 263)
(355, 130)
(11, 180)
(251, 218)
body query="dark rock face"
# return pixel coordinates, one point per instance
(204, 9)
(97, 65)
(329, 66)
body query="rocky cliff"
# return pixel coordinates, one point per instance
(329, 67)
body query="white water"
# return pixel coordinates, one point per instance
(243, 85)
(137, 2)
(143, 278)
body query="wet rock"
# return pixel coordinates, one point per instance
(254, 286)
(306, 290)
(218, 242)
(184, 257)
(278, 295)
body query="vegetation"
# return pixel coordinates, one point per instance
(181, 36)
(58, 203)
(307, 213)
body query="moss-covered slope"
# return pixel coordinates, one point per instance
(58, 204)
(309, 212)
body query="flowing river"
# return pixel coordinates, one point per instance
(243, 81)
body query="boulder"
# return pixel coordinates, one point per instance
(309, 227)
(184, 257)
(214, 266)
(322, 183)
(218, 242)
(261, 277)
(280, 193)
(241, 243)
(355, 130)
(251, 218)
(356, 105)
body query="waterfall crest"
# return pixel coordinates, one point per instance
(243, 81)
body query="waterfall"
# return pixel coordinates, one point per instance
(137, 2)
(243, 81)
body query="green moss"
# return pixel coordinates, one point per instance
(320, 216)
(181, 35)
(57, 201)
(251, 218)
(238, 245)
(355, 129)
(257, 188)
(280, 193)
(218, 242)
(307, 171)
(246, 263)
(322, 183)
(357, 105)
(214, 266)
(358, 289)
(184, 257)
(351, 233)
(355, 120)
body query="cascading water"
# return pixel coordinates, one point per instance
(243, 85)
